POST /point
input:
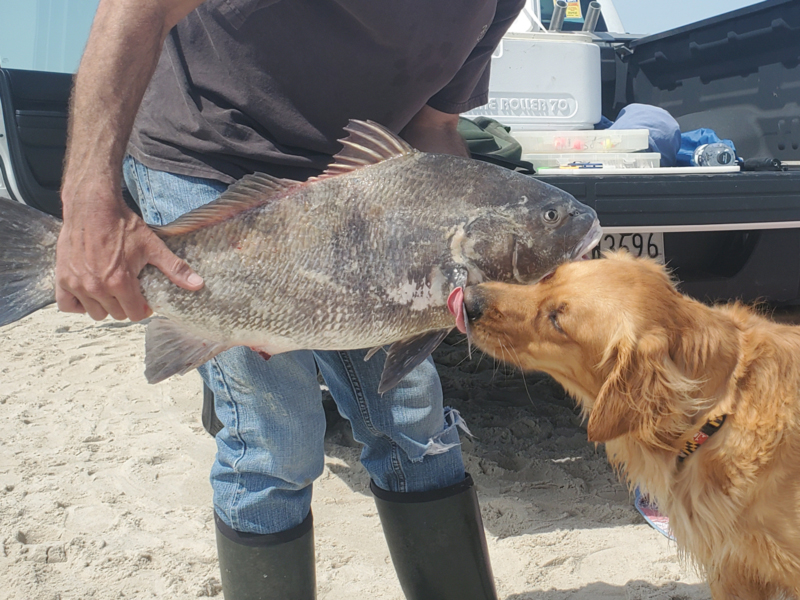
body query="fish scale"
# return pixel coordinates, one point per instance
(363, 256)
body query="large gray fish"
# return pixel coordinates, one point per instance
(365, 255)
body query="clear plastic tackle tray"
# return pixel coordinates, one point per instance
(608, 140)
(587, 161)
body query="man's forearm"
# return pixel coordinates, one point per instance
(434, 131)
(119, 60)
(103, 245)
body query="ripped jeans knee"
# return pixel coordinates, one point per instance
(411, 441)
(440, 442)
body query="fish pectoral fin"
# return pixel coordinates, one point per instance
(171, 350)
(372, 353)
(406, 355)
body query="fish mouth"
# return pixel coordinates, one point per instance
(455, 302)
(582, 250)
(590, 240)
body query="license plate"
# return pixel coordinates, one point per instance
(639, 244)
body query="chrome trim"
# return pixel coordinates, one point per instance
(611, 17)
(9, 183)
(699, 228)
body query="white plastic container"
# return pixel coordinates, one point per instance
(607, 140)
(545, 81)
(632, 160)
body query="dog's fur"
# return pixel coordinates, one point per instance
(649, 367)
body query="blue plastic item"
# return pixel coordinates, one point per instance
(665, 133)
(691, 140)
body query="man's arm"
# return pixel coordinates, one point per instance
(432, 130)
(103, 245)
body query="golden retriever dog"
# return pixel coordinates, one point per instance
(698, 406)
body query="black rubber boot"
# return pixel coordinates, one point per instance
(437, 542)
(279, 566)
(211, 422)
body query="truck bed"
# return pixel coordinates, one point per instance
(727, 236)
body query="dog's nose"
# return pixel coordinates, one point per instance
(474, 303)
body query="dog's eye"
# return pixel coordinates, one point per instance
(495, 314)
(551, 216)
(554, 320)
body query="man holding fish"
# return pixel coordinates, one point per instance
(187, 97)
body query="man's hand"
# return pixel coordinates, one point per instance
(101, 250)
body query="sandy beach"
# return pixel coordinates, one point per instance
(104, 487)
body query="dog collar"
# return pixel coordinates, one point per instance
(698, 439)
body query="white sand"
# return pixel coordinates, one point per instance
(104, 487)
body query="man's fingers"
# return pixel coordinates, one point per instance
(178, 271)
(93, 308)
(67, 302)
(112, 306)
(125, 303)
(133, 303)
(98, 301)
(98, 274)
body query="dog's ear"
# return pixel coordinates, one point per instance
(641, 390)
(708, 346)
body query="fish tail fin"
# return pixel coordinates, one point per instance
(27, 260)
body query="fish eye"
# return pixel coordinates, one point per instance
(551, 216)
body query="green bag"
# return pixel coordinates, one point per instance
(491, 141)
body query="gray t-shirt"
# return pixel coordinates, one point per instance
(268, 85)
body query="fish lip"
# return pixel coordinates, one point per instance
(590, 240)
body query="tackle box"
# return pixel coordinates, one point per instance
(632, 160)
(607, 140)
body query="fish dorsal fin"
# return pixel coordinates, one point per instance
(250, 191)
(368, 143)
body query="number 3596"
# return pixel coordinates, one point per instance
(649, 245)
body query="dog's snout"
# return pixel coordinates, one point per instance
(474, 303)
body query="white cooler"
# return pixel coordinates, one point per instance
(547, 81)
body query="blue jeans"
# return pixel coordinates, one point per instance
(271, 447)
